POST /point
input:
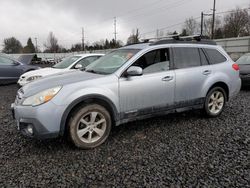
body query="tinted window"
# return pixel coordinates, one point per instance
(204, 60)
(215, 56)
(154, 61)
(186, 57)
(6, 61)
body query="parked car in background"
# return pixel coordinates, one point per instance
(244, 64)
(78, 61)
(131, 83)
(11, 69)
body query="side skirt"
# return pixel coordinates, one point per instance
(160, 111)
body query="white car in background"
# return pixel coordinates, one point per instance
(74, 62)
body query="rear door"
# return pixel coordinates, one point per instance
(9, 69)
(151, 92)
(192, 70)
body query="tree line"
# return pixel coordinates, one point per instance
(235, 23)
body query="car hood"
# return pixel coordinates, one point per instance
(59, 79)
(43, 72)
(244, 69)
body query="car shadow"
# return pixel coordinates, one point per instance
(123, 131)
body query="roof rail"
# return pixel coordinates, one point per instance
(193, 39)
(160, 38)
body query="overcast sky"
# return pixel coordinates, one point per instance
(65, 18)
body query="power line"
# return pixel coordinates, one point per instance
(180, 23)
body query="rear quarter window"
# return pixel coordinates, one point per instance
(215, 56)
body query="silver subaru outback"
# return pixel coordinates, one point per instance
(131, 83)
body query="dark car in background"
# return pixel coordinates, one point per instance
(244, 64)
(11, 69)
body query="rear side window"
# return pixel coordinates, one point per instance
(215, 56)
(185, 57)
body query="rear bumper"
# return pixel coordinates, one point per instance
(235, 88)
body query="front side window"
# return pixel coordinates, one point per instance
(6, 61)
(111, 62)
(185, 57)
(66, 62)
(154, 61)
(215, 56)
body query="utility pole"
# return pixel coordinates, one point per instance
(202, 16)
(213, 22)
(157, 33)
(36, 45)
(115, 32)
(83, 47)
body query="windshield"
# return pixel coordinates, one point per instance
(111, 62)
(66, 62)
(244, 60)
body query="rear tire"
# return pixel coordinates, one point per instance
(89, 126)
(215, 102)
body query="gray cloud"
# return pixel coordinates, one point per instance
(33, 18)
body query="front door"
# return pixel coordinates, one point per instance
(151, 92)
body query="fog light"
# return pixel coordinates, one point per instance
(30, 129)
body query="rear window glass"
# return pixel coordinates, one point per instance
(185, 57)
(215, 56)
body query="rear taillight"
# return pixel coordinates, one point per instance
(236, 67)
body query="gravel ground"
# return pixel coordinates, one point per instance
(178, 150)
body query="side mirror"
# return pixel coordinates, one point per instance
(78, 66)
(134, 71)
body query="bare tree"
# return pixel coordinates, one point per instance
(191, 26)
(52, 43)
(208, 26)
(134, 37)
(237, 23)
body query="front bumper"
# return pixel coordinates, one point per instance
(22, 82)
(44, 120)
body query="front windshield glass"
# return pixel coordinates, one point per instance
(244, 60)
(111, 62)
(66, 62)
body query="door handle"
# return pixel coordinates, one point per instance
(207, 72)
(168, 78)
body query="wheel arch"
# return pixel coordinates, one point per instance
(88, 99)
(222, 85)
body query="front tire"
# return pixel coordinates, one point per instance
(215, 102)
(89, 126)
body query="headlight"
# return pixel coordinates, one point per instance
(41, 97)
(32, 78)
